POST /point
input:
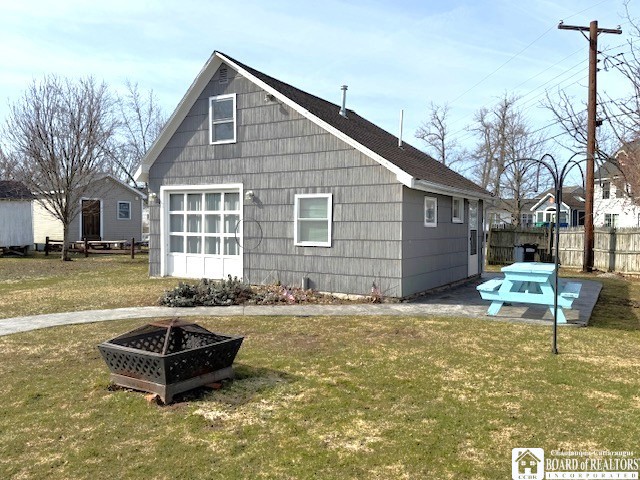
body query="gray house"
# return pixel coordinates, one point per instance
(109, 210)
(254, 178)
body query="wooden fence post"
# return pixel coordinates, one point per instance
(46, 247)
(133, 247)
(86, 247)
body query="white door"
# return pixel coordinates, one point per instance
(473, 238)
(203, 233)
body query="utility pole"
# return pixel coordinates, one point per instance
(594, 31)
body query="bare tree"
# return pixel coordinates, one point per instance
(59, 129)
(8, 166)
(623, 114)
(141, 120)
(435, 133)
(503, 158)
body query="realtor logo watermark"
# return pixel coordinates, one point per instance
(527, 463)
(530, 464)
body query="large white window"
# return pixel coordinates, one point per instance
(313, 217)
(204, 223)
(222, 118)
(430, 212)
(124, 210)
(457, 210)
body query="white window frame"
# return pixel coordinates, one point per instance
(329, 219)
(435, 209)
(211, 123)
(165, 191)
(457, 217)
(613, 220)
(118, 210)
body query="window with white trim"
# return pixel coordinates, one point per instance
(205, 223)
(222, 119)
(611, 220)
(457, 210)
(124, 210)
(313, 219)
(430, 212)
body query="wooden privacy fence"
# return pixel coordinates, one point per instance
(615, 250)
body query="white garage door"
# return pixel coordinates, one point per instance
(202, 233)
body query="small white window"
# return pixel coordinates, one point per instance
(222, 119)
(430, 212)
(611, 220)
(124, 210)
(457, 210)
(313, 217)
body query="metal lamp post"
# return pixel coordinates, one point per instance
(559, 175)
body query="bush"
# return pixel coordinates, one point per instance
(208, 293)
(212, 293)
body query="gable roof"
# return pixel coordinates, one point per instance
(13, 190)
(122, 184)
(412, 167)
(572, 197)
(608, 170)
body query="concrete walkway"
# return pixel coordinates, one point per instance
(460, 301)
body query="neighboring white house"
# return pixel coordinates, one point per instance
(16, 228)
(539, 211)
(501, 212)
(613, 205)
(571, 210)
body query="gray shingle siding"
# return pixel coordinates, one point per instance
(110, 193)
(279, 154)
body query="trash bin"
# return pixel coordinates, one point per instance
(518, 253)
(529, 254)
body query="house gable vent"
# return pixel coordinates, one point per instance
(224, 74)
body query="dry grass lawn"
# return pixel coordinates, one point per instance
(328, 398)
(39, 284)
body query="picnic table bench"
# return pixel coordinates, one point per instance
(532, 283)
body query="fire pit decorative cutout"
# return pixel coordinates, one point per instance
(170, 357)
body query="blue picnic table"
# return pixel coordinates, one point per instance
(532, 283)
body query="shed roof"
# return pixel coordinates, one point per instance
(14, 190)
(412, 167)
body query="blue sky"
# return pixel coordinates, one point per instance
(392, 54)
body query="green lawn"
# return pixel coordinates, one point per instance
(328, 398)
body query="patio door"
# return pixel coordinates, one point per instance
(203, 234)
(473, 238)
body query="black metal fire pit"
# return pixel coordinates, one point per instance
(170, 357)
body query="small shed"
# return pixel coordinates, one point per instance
(109, 210)
(16, 216)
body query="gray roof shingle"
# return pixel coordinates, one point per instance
(14, 190)
(408, 158)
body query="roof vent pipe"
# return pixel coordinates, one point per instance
(343, 110)
(400, 135)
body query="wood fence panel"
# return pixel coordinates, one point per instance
(615, 250)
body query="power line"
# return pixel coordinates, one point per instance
(521, 52)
